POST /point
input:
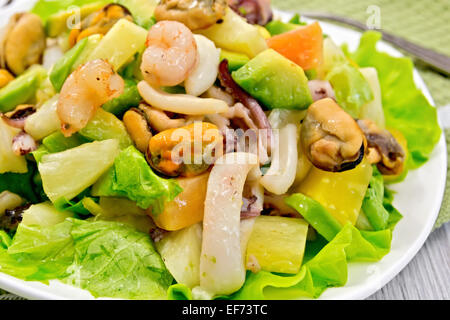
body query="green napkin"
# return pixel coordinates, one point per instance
(423, 22)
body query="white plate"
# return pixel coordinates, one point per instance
(418, 198)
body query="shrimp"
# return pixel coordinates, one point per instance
(85, 90)
(171, 54)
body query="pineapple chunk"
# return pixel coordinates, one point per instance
(45, 121)
(9, 161)
(68, 173)
(8, 201)
(44, 215)
(180, 251)
(235, 34)
(340, 193)
(277, 244)
(120, 44)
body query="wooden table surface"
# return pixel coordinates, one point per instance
(427, 276)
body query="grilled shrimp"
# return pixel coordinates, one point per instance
(171, 54)
(85, 90)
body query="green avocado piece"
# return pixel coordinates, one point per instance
(72, 59)
(277, 27)
(141, 10)
(235, 60)
(63, 67)
(22, 89)
(57, 142)
(128, 99)
(275, 81)
(92, 43)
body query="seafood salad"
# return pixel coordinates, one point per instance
(182, 149)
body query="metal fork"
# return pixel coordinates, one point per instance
(431, 58)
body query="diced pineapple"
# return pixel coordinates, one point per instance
(180, 251)
(103, 126)
(235, 34)
(8, 201)
(340, 193)
(9, 161)
(68, 173)
(44, 121)
(44, 215)
(373, 110)
(120, 44)
(277, 244)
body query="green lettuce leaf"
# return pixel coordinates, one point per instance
(179, 292)
(132, 177)
(23, 184)
(109, 259)
(114, 260)
(405, 107)
(39, 254)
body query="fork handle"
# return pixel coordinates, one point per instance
(431, 58)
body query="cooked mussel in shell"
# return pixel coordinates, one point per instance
(22, 42)
(331, 138)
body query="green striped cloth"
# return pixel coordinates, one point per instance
(423, 22)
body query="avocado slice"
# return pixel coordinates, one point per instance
(275, 81)
(128, 99)
(57, 23)
(235, 60)
(141, 10)
(22, 89)
(277, 27)
(63, 67)
(92, 43)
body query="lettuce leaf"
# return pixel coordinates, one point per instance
(132, 177)
(38, 254)
(23, 184)
(114, 260)
(109, 259)
(406, 108)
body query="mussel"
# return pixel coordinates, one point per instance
(331, 138)
(22, 42)
(195, 14)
